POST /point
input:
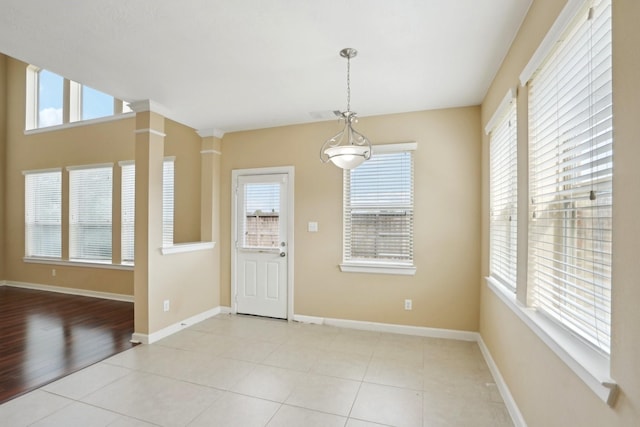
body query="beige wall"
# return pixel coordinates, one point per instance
(184, 143)
(547, 392)
(447, 219)
(97, 143)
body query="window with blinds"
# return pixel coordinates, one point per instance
(43, 214)
(378, 209)
(570, 181)
(127, 211)
(503, 198)
(90, 201)
(167, 201)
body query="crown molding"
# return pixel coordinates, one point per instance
(216, 133)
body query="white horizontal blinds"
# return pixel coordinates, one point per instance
(570, 154)
(503, 183)
(128, 211)
(90, 201)
(167, 201)
(43, 213)
(378, 210)
(261, 219)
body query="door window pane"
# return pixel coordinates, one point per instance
(261, 222)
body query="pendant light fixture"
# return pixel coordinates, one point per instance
(348, 148)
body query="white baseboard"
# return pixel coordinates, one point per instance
(510, 403)
(308, 319)
(176, 327)
(224, 309)
(420, 331)
(70, 291)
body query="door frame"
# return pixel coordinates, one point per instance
(235, 173)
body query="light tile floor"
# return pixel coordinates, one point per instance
(246, 371)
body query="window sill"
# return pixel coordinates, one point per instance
(79, 123)
(187, 247)
(88, 264)
(403, 270)
(591, 366)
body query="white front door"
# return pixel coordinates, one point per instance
(261, 247)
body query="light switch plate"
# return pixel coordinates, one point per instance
(312, 227)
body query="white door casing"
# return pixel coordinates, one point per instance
(262, 242)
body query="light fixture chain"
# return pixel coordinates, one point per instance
(349, 83)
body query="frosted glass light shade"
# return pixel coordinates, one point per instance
(347, 156)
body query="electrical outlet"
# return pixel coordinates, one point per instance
(53, 272)
(408, 304)
(166, 305)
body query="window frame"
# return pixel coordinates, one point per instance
(589, 364)
(505, 114)
(27, 240)
(71, 170)
(382, 266)
(127, 221)
(168, 202)
(71, 105)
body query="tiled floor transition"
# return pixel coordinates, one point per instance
(246, 371)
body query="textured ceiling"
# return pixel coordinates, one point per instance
(245, 64)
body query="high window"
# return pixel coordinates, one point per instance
(503, 192)
(90, 203)
(570, 179)
(43, 213)
(52, 100)
(378, 212)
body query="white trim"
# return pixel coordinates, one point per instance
(126, 162)
(69, 263)
(33, 171)
(225, 309)
(394, 148)
(290, 172)
(421, 331)
(75, 101)
(308, 319)
(31, 111)
(93, 166)
(560, 25)
(70, 291)
(205, 133)
(509, 401)
(378, 269)
(79, 123)
(211, 152)
(499, 112)
(178, 248)
(149, 105)
(176, 327)
(589, 365)
(151, 131)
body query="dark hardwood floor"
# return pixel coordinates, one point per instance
(45, 336)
